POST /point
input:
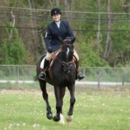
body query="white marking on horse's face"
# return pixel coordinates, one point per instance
(62, 121)
(67, 52)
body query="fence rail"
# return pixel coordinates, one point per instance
(77, 82)
(94, 76)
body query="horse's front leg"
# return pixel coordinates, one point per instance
(72, 102)
(59, 94)
(45, 97)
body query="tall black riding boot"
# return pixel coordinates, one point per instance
(79, 75)
(42, 74)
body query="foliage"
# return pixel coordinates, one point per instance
(16, 2)
(85, 25)
(90, 54)
(12, 48)
(120, 51)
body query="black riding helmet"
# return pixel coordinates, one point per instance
(55, 11)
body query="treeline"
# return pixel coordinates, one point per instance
(101, 28)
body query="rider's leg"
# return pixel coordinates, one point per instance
(42, 74)
(79, 75)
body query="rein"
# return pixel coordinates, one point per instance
(64, 63)
(67, 66)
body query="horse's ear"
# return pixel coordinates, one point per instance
(73, 40)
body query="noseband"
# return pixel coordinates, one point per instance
(66, 65)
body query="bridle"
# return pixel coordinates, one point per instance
(63, 62)
(66, 65)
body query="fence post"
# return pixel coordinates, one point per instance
(123, 78)
(99, 77)
(84, 72)
(18, 76)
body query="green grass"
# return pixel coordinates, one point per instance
(94, 110)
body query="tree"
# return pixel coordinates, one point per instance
(126, 6)
(12, 50)
(99, 36)
(108, 39)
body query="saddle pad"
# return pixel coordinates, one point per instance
(42, 63)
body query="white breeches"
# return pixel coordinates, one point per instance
(49, 55)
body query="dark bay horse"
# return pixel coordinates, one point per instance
(61, 74)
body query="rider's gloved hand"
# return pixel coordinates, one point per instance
(49, 49)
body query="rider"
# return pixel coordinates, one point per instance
(58, 28)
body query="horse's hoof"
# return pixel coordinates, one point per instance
(56, 119)
(69, 119)
(49, 116)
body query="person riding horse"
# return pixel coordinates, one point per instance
(56, 30)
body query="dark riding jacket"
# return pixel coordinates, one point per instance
(53, 33)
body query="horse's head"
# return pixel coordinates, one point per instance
(67, 48)
(66, 54)
(68, 40)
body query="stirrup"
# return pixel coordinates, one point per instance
(79, 77)
(42, 75)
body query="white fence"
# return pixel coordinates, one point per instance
(23, 75)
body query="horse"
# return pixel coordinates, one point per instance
(61, 74)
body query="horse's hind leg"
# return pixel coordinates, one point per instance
(45, 97)
(72, 102)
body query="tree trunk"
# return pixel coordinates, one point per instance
(57, 3)
(99, 36)
(108, 39)
(33, 35)
(13, 24)
(68, 4)
(126, 6)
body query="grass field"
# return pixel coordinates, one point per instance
(94, 110)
